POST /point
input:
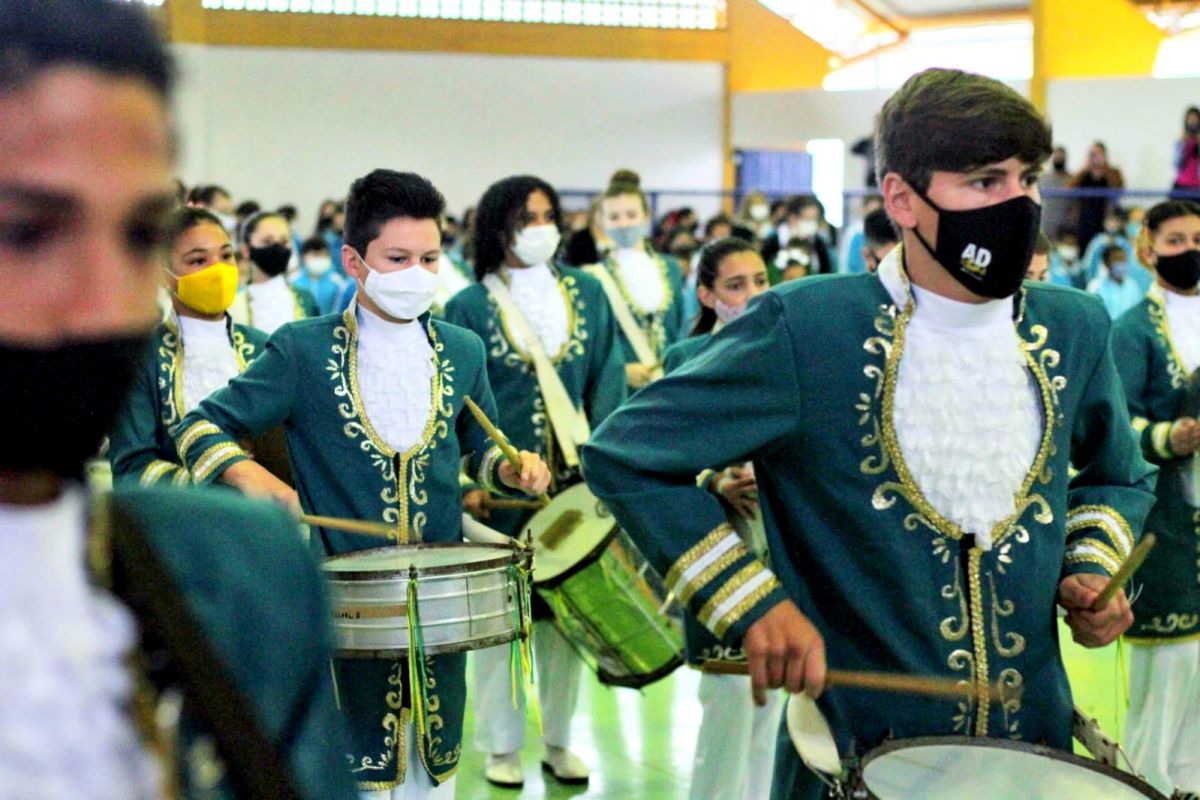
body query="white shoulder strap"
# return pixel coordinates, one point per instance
(633, 332)
(569, 423)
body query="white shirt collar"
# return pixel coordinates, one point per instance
(272, 286)
(193, 328)
(935, 309)
(374, 327)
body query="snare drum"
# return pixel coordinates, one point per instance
(608, 601)
(953, 767)
(469, 596)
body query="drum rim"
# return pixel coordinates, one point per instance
(432, 650)
(578, 566)
(641, 680)
(512, 553)
(1132, 781)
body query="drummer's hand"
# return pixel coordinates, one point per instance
(534, 477)
(784, 649)
(1185, 436)
(475, 503)
(740, 490)
(638, 375)
(253, 480)
(1093, 628)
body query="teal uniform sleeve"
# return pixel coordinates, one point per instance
(308, 303)
(133, 446)
(482, 457)
(1113, 492)
(1133, 357)
(606, 383)
(675, 314)
(727, 405)
(256, 401)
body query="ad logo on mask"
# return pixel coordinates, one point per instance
(976, 259)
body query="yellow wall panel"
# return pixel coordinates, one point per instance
(768, 53)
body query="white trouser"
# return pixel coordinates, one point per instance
(1162, 731)
(500, 728)
(417, 784)
(735, 748)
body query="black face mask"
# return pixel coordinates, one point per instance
(59, 402)
(1060, 164)
(987, 249)
(272, 259)
(1181, 270)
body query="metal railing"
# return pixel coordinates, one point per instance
(658, 198)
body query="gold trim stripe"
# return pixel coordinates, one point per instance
(1160, 438)
(194, 431)
(1090, 551)
(742, 582)
(696, 551)
(1140, 424)
(731, 617)
(1108, 520)
(487, 465)
(691, 586)
(155, 471)
(214, 458)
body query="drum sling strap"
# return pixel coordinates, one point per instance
(633, 332)
(255, 767)
(570, 424)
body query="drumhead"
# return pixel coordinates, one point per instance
(566, 532)
(429, 559)
(951, 768)
(810, 735)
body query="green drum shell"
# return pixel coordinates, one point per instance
(609, 607)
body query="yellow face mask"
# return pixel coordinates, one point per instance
(210, 290)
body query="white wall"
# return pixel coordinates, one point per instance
(786, 120)
(1138, 119)
(282, 125)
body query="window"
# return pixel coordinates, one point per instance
(688, 14)
(828, 175)
(1003, 51)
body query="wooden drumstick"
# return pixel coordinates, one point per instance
(874, 681)
(379, 529)
(1118, 581)
(510, 453)
(503, 503)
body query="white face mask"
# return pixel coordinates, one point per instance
(404, 294)
(786, 257)
(760, 212)
(318, 265)
(536, 244)
(728, 313)
(806, 229)
(1069, 252)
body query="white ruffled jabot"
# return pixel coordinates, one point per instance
(968, 413)
(536, 294)
(65, 690)
(643, 279)
(395, 376)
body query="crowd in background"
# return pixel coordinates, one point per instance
(1090, 239)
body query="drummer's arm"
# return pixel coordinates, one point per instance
(738, 398)
(1108, 501)
(258, 400)
(1162, 440)
(482, 459)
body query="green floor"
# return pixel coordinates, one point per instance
(640, 744)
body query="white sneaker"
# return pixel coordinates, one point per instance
(505, 770)
(565, 766)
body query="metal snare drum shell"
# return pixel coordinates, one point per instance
(467, 598)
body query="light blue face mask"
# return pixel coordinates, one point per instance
(629, 235)
(1132, 230)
